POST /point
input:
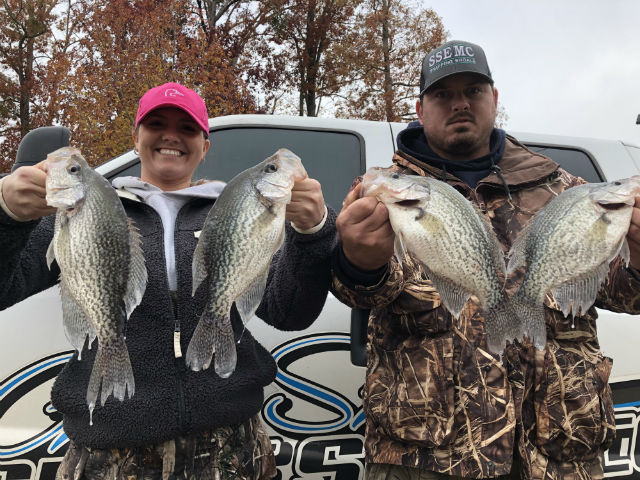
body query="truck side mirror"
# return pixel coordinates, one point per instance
(38, 143)
(359, 322)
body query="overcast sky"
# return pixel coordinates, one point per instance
(568, 67)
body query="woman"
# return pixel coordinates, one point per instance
(179, 423)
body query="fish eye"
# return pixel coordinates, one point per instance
(270, 168)
(617, 183)
(74, 169)
(395, 175)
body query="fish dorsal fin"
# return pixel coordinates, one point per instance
(76, 324)
(452, 295)
(51, 256)
(625, 254)
(399, 248)
(496, 249)
(51, 252)
(248, 302)
(580, 293)
(198, 264)
(137, 281)
(518, 252)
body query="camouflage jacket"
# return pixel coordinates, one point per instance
(437, 399)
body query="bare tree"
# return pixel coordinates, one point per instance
(386, 68)
(308, 32)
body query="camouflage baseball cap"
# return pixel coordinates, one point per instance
(453, 57)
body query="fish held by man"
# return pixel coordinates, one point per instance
(241, 233)
(103, 274)
(568, 247)
(455, 243)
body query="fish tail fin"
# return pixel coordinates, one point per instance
(213, 335)
(111, 369)
(532, 319)
(502, 324)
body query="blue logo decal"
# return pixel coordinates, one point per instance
(342, 413)
(18, 393)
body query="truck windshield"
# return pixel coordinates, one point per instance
(332, 158)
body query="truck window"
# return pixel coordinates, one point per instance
(332, 158)
(634, 152)
(131, 171)
(573, 161)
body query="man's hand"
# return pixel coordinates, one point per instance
(306, 208)
(24, 192)
(633, 237)
(365, 231)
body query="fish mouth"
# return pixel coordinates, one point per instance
(53, 189)
(613, 206)
(281, 183)
(407, 203)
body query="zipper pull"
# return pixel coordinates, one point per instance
(177, 350)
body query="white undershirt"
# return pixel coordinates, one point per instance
(167, 205)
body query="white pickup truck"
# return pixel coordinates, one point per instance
(313, 410)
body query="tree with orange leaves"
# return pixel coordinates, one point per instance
(386, 68)
(277, 56)
(308, 35)
(128, 47)
(27, 25)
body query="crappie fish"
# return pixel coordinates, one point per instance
(568, 247)
(243, 230)
(103, 274)
(456, 244)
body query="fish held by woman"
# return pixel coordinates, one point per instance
(455, 243)
(243, 230)
(568, 247)
(103, 274)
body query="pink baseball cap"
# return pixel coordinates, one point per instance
(174, 95)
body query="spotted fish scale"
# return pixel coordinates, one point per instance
(455, 243)
(567, 248)
(103, 275)
(243, 230)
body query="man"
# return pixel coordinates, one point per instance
(438, 403)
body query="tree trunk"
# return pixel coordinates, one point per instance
(386, 58)
(26, 84)
(311, 103)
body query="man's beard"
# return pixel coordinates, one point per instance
(463, 143)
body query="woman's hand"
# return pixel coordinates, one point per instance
(24, 192)
(306, 209)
